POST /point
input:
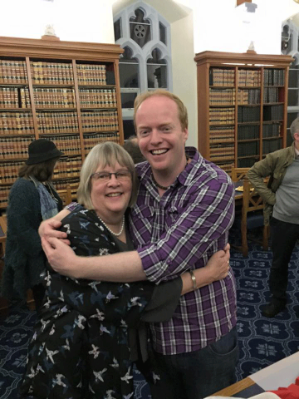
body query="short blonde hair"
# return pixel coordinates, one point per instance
(294, 128)
(182, 110)
(104, 154)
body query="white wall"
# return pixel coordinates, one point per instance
(73, 20)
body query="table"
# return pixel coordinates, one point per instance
(280, 374)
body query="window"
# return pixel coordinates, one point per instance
(146, 62)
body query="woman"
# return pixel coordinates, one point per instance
(32, 199)
(80, 348)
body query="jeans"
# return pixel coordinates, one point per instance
(284, 237)
(194, 375)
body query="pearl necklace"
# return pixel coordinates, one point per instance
(115, 234)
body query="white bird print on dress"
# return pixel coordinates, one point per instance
(95, 351)
(98, 374)
(127, 376)
(50, 354)
(58, 381)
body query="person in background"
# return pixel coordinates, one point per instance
(32, 198)
(182, 216)
(84, 324)
(131, 146)
(281, 212)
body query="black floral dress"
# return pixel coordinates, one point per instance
(80, 345)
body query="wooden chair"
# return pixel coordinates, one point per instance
(251, 216)
(3, 231)
(239, 174)
(65, 195)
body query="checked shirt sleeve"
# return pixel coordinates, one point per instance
(200, 228)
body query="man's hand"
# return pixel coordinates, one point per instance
(47, 230)
(60, 256)
(218, 265)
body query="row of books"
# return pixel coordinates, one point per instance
(10, 149)
(271, 145)
(4, 192)
(68, 167)
(63, 183)
(54, 98)
(89, 74)
(273, 112)
(226, 166)
(222, 96)
(13, 72)
(221, 134)
(9, 172)
(57, 122)
(248, 148)
(248, 132)
(222, 116)
(248, 114)
(51, 73)
(221, 77)
(274, 77)
(98, 98)
(249, 77)
(271, 129)
(249, 96)
(271, 95)
(16, 123)
(99, 120)
(90, 140)
(69, 145)
(9, 97)
(222, 152)
(247, 162)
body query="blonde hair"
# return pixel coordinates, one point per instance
(182, 110)
(104, 154)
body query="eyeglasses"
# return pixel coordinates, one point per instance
(104, 177)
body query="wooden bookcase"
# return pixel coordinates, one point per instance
(67, 92)
(242, 106)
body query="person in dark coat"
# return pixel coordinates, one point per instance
(32, 199)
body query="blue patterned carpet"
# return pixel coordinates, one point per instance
(262, 341)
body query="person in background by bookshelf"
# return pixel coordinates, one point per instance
(32, 198)
(132, 147)
(182, 216)
(281, 212)
(84, 324)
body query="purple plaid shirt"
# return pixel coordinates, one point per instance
(180, 231)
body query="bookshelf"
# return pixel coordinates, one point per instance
(242, 106)
(68, 92)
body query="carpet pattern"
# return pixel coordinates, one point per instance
(262, 341)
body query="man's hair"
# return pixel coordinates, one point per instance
(42, 171)
(132, 147)
(104, 154)
(182, 110)
(294, 128)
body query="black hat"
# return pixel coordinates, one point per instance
(42, 150)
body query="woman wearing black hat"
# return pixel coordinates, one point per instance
(32, 199)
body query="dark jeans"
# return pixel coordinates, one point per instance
(284, 237)
(195, 375)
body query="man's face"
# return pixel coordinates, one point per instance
(160, 135)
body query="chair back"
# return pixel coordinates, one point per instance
(239, 174)
(252, 210)
(3, 231)
(65, 195)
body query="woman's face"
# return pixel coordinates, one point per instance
(110, 194)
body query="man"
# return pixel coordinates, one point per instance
(132, 147)
(184, 210)
(281, 198)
